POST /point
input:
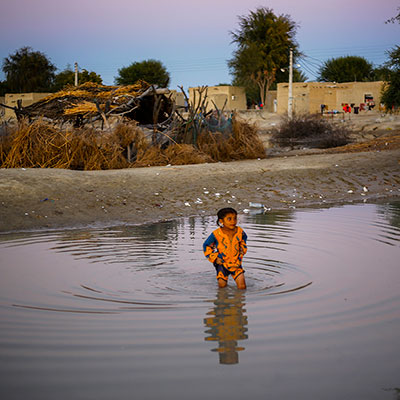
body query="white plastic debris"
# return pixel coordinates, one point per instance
(256, 205)
(365, 189)
(187, 204)
(246, 210)
(350, 191)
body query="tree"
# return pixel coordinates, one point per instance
(3, 88)
(67, 77)
(151, 71)
(252, 89)
(395, 19)
(28, 71)
(391, 92)
(346, 69)
(263, 41)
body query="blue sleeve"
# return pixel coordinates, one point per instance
(210, 241)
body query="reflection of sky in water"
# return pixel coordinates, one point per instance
(137, 309)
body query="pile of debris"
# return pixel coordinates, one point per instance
(94, 126)
(90, 102)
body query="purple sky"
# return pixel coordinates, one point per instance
(191, 38)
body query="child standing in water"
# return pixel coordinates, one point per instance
(225, 248)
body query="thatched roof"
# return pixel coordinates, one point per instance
(88, 100)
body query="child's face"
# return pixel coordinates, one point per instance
(229, 221)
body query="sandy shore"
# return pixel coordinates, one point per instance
(50, 198)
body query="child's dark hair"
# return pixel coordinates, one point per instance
(224, 212)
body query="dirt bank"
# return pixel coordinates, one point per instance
(55, 198)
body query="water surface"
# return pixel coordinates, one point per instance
(135, 312)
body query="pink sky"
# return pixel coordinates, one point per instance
(191, 38)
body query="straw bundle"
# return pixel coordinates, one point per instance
(176, 154)
(41, 145)
(244, 143)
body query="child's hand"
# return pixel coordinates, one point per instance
(219, 261)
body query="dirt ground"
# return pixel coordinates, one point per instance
(368, 170)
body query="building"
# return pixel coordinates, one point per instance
(11, 100)
(177, 97)
(309, 96)
(234, 96)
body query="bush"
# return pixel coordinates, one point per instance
(309, 130)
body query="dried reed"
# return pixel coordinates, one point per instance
(175, 154)
(40, 145)
(243, 143)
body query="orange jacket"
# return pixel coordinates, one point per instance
(231, 252)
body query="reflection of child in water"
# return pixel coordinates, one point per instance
(225, 248)
(227, 324)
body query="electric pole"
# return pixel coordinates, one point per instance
(290, 99)
(76, 74)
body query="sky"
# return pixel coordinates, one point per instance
(191, 38)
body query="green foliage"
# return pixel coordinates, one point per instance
(3, 88)
(381, 73)
(263, 41)
(309, 130)
(391, 92)
(395, 19)
(151, 71)
(346, 69)
(252, 89)
(67, 77)
(28, 71)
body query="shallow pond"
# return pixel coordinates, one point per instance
(135, 312)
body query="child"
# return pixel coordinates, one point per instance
(225, 248)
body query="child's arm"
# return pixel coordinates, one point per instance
(209, 248)
(243, 246)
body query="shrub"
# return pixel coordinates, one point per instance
(309, 130)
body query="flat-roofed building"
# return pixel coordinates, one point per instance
(234, 96)
(309, 96)
(11, 100)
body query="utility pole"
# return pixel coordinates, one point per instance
(76, 74)
(290, 99)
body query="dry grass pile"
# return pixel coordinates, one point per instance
(175, 154)
(387, 142)
(242, 143)
(309, 130)
(41, 145)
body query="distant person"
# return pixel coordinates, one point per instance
(347, 108)
(225, 248)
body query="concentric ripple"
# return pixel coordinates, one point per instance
(134, 268)
(161, 266)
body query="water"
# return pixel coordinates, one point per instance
(135, 312)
